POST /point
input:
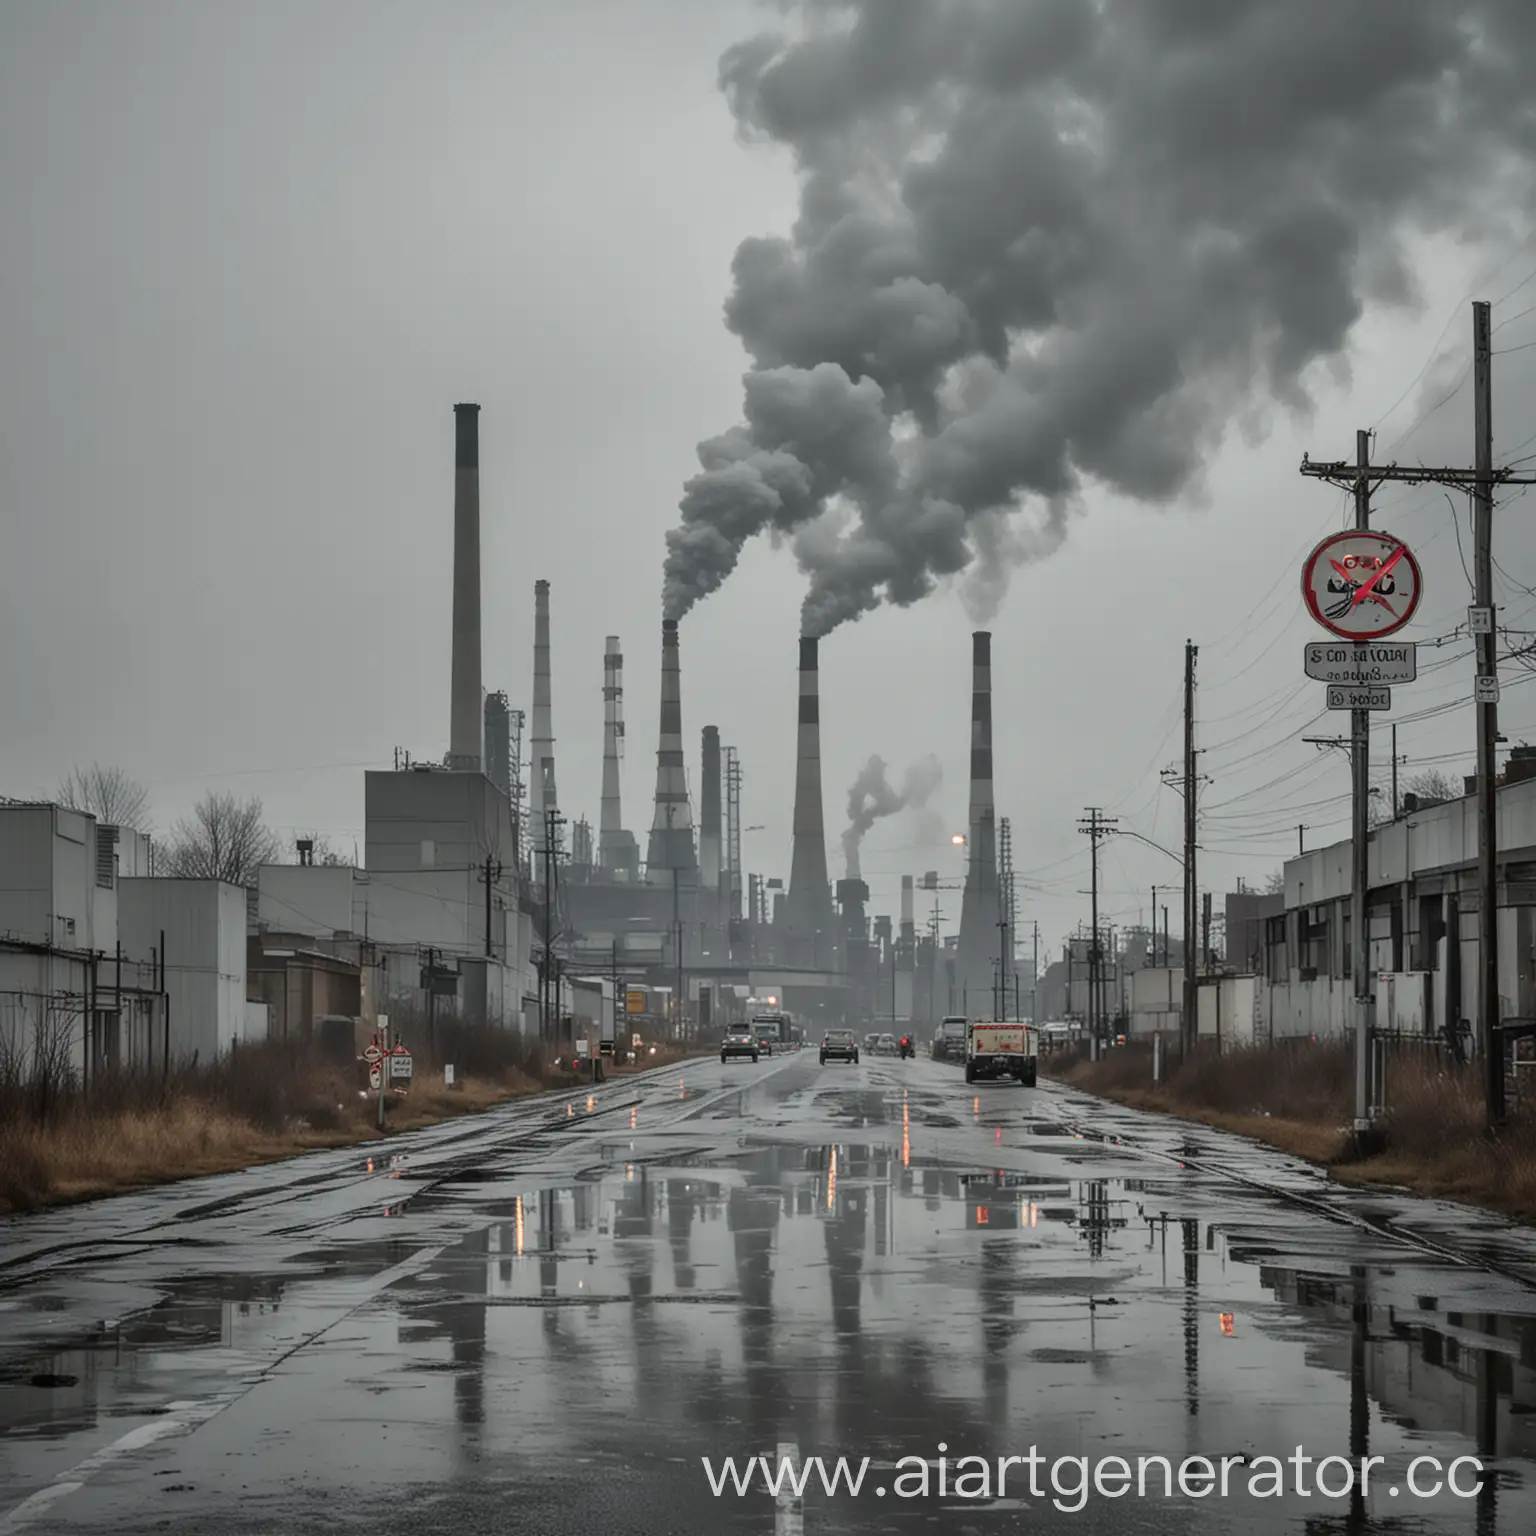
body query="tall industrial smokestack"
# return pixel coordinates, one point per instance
(906, 953)
(709, 811)
(542, 796)
(618, 852)
(466, 725)
(808, 911)
(671, 850)
(980, 906)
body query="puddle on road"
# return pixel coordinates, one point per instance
(855, 1298)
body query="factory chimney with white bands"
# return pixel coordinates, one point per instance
(542, 795)
(618, 852)
(808, 920)
(671, 852)
(980, 906)
(466, 749)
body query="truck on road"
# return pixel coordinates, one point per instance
(949, 1038)
(1002, 1048)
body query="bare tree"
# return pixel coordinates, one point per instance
(1432, 784)
(1275, 884)
(223, 839)
(108, 794)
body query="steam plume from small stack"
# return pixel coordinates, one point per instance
(872, 797)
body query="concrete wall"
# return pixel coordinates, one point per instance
(204, 922)
(1227, 1009)
(317, 899)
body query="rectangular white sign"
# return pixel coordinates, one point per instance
(1353, 696)
(1370, 664)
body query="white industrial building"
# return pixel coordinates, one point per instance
(197, 929)
(1422, 916)
(1422, 921)
(440, 880)
(71, 989)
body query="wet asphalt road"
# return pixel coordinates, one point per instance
(543, 1319)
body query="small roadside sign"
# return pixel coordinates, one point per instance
(400, 1065)
(634, 1002)
(581, 1046)
(1479, 621)
(1353, 696)
(1367, 666)
(373, 1053)
(375, 1076)
(1361, 584)
(1485, 690)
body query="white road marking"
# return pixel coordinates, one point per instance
(182, 1416)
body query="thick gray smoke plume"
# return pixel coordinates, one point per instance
(1044, 243)
(872, 797)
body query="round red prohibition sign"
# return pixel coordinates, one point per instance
(1361, 585)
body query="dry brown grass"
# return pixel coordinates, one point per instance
(271, 1102)
(1299, 1098)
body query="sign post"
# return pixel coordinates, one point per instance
(381, 1044)
(1361, 585)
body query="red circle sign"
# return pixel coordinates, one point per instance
(1361, 585)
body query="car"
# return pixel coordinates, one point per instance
(886, 1045)
(738, 1042)
(872, 1041)
(841, 1044)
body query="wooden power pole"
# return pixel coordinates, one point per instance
(1190, 1019)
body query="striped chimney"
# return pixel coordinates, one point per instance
(618, 852)
(542, 795)
(671, 847)
(466, 706)
(808, 910)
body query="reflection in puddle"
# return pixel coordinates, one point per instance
(850, 1295)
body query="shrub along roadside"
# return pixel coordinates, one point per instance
(263, 1103)
(1299, 1097)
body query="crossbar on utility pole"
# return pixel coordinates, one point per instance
(1479, 481)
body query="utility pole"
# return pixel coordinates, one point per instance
(1395, 805)
(1097, 826)
(431, 1001)
(1190, 1015)
(1479, 481)
(1486, 695)
(1034, 985)
(1000, 1000)
(491, 874)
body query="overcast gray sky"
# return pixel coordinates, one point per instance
(252, 254)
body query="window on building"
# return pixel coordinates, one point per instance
(106, 857)
(428, 853)
(1275, 956)
(1312, 941)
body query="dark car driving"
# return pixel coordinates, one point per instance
(738, 1042)
(839, 1045)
